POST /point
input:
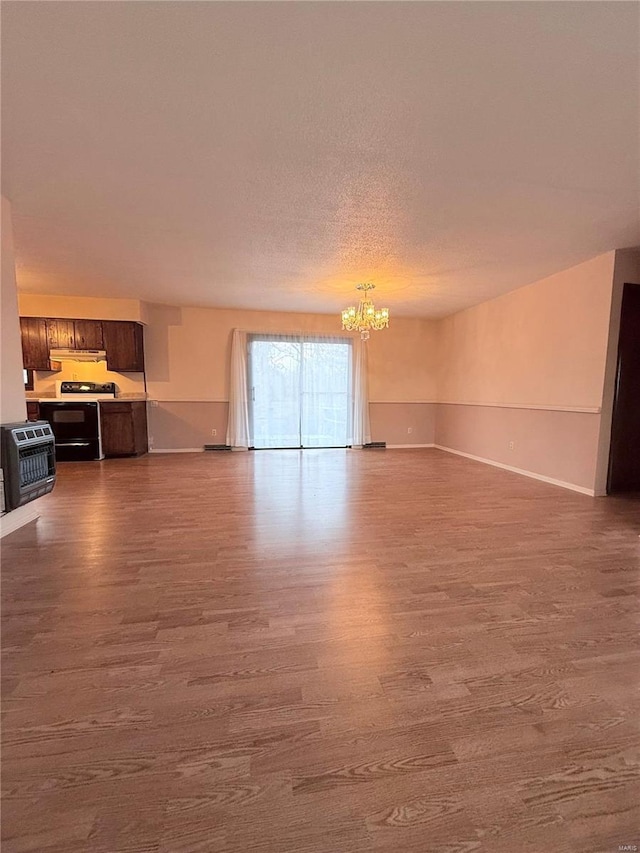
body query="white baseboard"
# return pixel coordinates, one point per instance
(355, 447)
(17, 518)
(178, 450)
(407, 446)
(564, 485)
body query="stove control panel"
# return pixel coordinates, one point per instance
(92, 388)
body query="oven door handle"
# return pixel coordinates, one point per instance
(73, 443)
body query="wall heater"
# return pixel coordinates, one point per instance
(28, 461)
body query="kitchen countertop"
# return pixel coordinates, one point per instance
(133, 398)
(124, 399)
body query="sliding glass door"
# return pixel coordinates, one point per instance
(274, 392)
(299, 391)
(325, 394)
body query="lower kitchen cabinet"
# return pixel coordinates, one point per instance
(124, 428)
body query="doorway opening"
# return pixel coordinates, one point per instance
(624, 454)
(299, 391)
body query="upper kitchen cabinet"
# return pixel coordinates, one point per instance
(61, 334)
(88, 334)
(35, 346)
(123, 342)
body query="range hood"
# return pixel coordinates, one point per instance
(64, 354)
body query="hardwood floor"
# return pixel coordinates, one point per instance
(320, 652)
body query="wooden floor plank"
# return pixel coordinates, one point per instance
(320, 652)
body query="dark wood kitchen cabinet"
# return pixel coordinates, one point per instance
(74, 334)
(61, 334)
(123, 342)
(33, 410)
(122, 339)
(88, 334)
(35, 346)
(124, 428)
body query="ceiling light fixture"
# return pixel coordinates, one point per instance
(366, 316)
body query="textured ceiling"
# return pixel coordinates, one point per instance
(272, 155)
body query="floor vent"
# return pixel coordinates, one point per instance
(217, 447)
(375, 445)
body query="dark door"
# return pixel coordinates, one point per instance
(35, 349)
(88, 334)
(624, 458)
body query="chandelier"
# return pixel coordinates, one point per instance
(366, 316)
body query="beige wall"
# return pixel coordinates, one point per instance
(403, 423)
(181, 425)
(521, 378)
(186, 425)
(544, 344)
(12, 399)
(188, 352)
(552, 444)
(81, 307)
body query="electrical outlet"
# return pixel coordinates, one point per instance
(74, 376)
(153, 404)
(214, 432)
(409, 430)
(512, 445)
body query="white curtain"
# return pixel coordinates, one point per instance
(361, 429)
(238, 434)
(293, 390)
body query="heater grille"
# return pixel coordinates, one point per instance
(35, 464)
